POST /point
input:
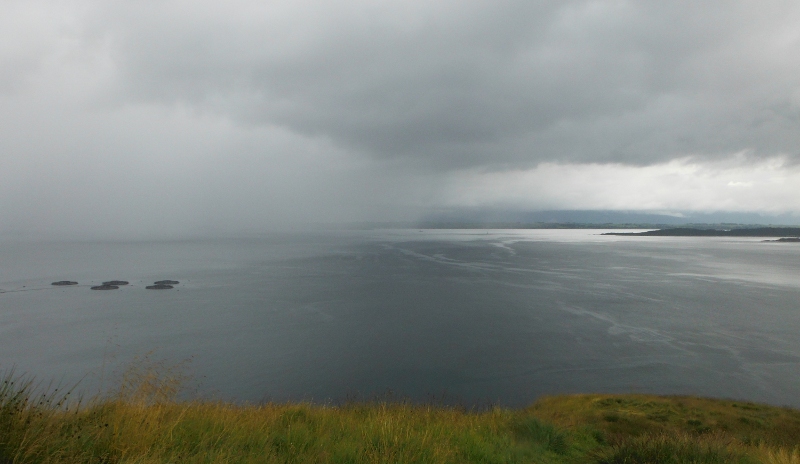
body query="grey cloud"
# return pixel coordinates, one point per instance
(166, 117)
(464, 84)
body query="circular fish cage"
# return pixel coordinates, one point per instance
(159, 287)
(105, 287)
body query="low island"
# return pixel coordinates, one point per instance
(784, 232)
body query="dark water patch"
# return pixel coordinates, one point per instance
(116, 282)
(317, 319)
(64, 283)
(159, 287)
(166, 282)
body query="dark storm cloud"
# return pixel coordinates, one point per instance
(449, 85)
(155, 118)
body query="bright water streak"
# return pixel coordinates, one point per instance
(471, 316)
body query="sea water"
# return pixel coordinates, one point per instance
(467, 316)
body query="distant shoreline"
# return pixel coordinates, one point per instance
(787, 234)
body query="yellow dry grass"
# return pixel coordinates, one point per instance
(143, 422)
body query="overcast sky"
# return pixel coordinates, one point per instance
(171, 117)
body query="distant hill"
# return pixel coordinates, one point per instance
(480, 218)
(557, 218)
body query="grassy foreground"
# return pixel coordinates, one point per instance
(143, 423)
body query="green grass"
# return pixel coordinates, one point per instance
(142, 422)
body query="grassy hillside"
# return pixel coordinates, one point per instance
(142, 423)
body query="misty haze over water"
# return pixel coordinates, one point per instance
(498, 316)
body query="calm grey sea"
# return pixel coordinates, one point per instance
(468, 316)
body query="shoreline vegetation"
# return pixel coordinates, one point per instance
(143, 421)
